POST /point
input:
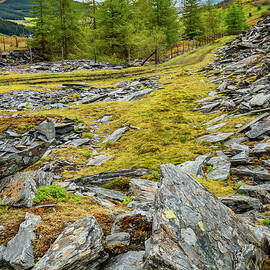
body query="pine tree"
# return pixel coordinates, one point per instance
(212, 21)
(235, 18)
(39, 13)
(64, 25)
(192, 19)
(165, 18)
(115, 27)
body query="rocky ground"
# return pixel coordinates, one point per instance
(107, 208)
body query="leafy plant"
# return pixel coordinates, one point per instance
(55, 193)
(265, 222)
(126, 201)
(156, 175)
(51, 193)
(87, 154)
(87, 135)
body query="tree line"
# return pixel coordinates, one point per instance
(123, 30)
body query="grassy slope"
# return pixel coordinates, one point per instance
(168, 131)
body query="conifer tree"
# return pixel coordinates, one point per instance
(235, 18)
(192, 19)
(64, 25)
(212, 21)
(165, 18)
(39, 13)
(115, 27)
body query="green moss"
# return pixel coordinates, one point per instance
(52, 193)
(265, 222)
(87, 135)
(120, 184)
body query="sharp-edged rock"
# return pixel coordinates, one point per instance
(98, 160)
(106, 177)
(20, 189)
(79, 246)
(116, 135)
(142, 189)
(241, 204)
(18, 252)
(192, 229)
(216, 137)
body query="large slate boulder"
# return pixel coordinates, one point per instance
(105, 177)
(20, 189)
(18, 253)
(78, 247)
(192, 229)
(12, 163)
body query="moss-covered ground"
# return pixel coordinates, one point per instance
(167, 134)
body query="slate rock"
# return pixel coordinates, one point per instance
(108, 194)
(258, 129)
(103, 202)
(13, 163)
(216, 127)
(80, 142)
(259, 100)
(131, 260)
(241, 159)
(47, 129)
(106, 177)
(79, 246)
(215, 137)
(18, 252)
(241, 204)
(98, 160)
(261, 148)
(65, 128)
(142, 189)
(194, 167)
(116, 135)
(192, 229)
(261, 192)
(20, 189)
(147, 206)
(121, 238)
(255, 171)
(221, 167)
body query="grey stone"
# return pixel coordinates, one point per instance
(147, 206)
(215, 137)
(255, 171)
(221, 167)
(80, 142)
(20, 189)
(79, 246)
(131, 260)
(258, 129)
(105, 119)
(98, 160)
(108, 194)
(261, 192)
(47, 129)
(216, 119)
(259, 100)
(222, 87)
(241, 159)
(18, 252)
(13, 163)
(116, 135)
(103, 202)
(209, 107)
(216, 127)
(194, 167)
(61, 129)
(106, 177)
(241, 204)
(261, 148)
(242, 63)
(232, 141)
(142, 189)
(192, 229)
(238, 148)
(121, 238)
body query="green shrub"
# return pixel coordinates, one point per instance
(156, 175)
(126, 201)
(87, 135)
(55, 193)
(52, 193)
(266, 222)
(87, 154)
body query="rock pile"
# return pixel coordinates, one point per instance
(242, 69)
(20, 61)
(72, 94)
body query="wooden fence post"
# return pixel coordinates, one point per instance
(183, 46)
(16, 42)
(177, 48)
(4, 42)
(156, 55)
